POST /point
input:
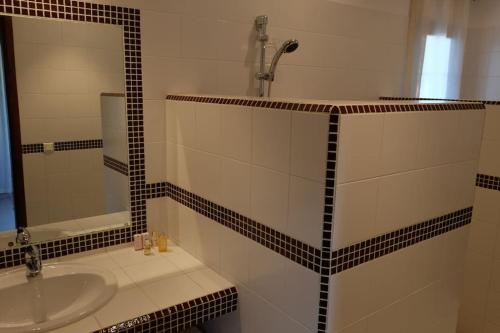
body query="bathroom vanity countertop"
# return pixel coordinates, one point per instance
(147, 285)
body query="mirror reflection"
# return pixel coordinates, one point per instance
(71, 124)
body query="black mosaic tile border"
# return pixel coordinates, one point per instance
(31, 148)
(388, 98)
(384, 108)
(489, 182)
(257, 102)
(293, 249)
(157, 190)
(182, 316)
(76, 145)
(328, 108)
(61, 247)
(326, 245)
(129, 19)
(115, 165)
(357, 254)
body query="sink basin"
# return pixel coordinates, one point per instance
(61, 294)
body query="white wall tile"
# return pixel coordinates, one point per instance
(353, 224)
(271, 139)
(235, 185)
(155, 160)
(161, 34)
(398, 198)
(208, 128)
(483, 237)
(154, 121)
(233, 248)
(489, 162)
(269, 197)
(206, 175)
(189, 232)
(486, 206)
(156, 214)
(491, 124)
(305, 210)
(301, 294)
(210, 241)
(266, 273)
(309, 145)
(399, 143)
(236, 128)
(360, 146)
(186, 124)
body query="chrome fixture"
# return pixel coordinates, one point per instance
(23, 236)
(32, 256)
(33, 261)
(288, 46)
(262, 37)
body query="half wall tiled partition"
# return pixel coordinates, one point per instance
(480, 311)
(480, 300)
(329, 217)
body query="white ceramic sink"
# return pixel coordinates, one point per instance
(62, 294)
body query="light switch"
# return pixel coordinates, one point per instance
(48, 147)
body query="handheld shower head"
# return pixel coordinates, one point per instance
(288, 46)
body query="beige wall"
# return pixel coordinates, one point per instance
(480, 310)
(62, 68)
(481, 80)
(481, 73)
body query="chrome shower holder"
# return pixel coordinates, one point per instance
(288, 46)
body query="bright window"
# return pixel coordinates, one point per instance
(434, 79)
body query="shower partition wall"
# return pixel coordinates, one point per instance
(329, 217)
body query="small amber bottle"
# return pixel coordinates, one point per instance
(147, 246)
(162, 243)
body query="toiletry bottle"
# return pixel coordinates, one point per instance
(154, 239)
(138, 242)
(147, 247)
(162, 243)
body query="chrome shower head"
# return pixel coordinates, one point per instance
(288, 46)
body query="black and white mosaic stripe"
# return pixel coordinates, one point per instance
(357, 254)
(328, 211)
(182, 316)
(291, 248)
(31, 148)
(115, 165)
(489, 182)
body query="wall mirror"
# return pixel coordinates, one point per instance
(63, 141)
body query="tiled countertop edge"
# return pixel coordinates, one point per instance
(181, 316)
(388, 98)
(327, 107)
